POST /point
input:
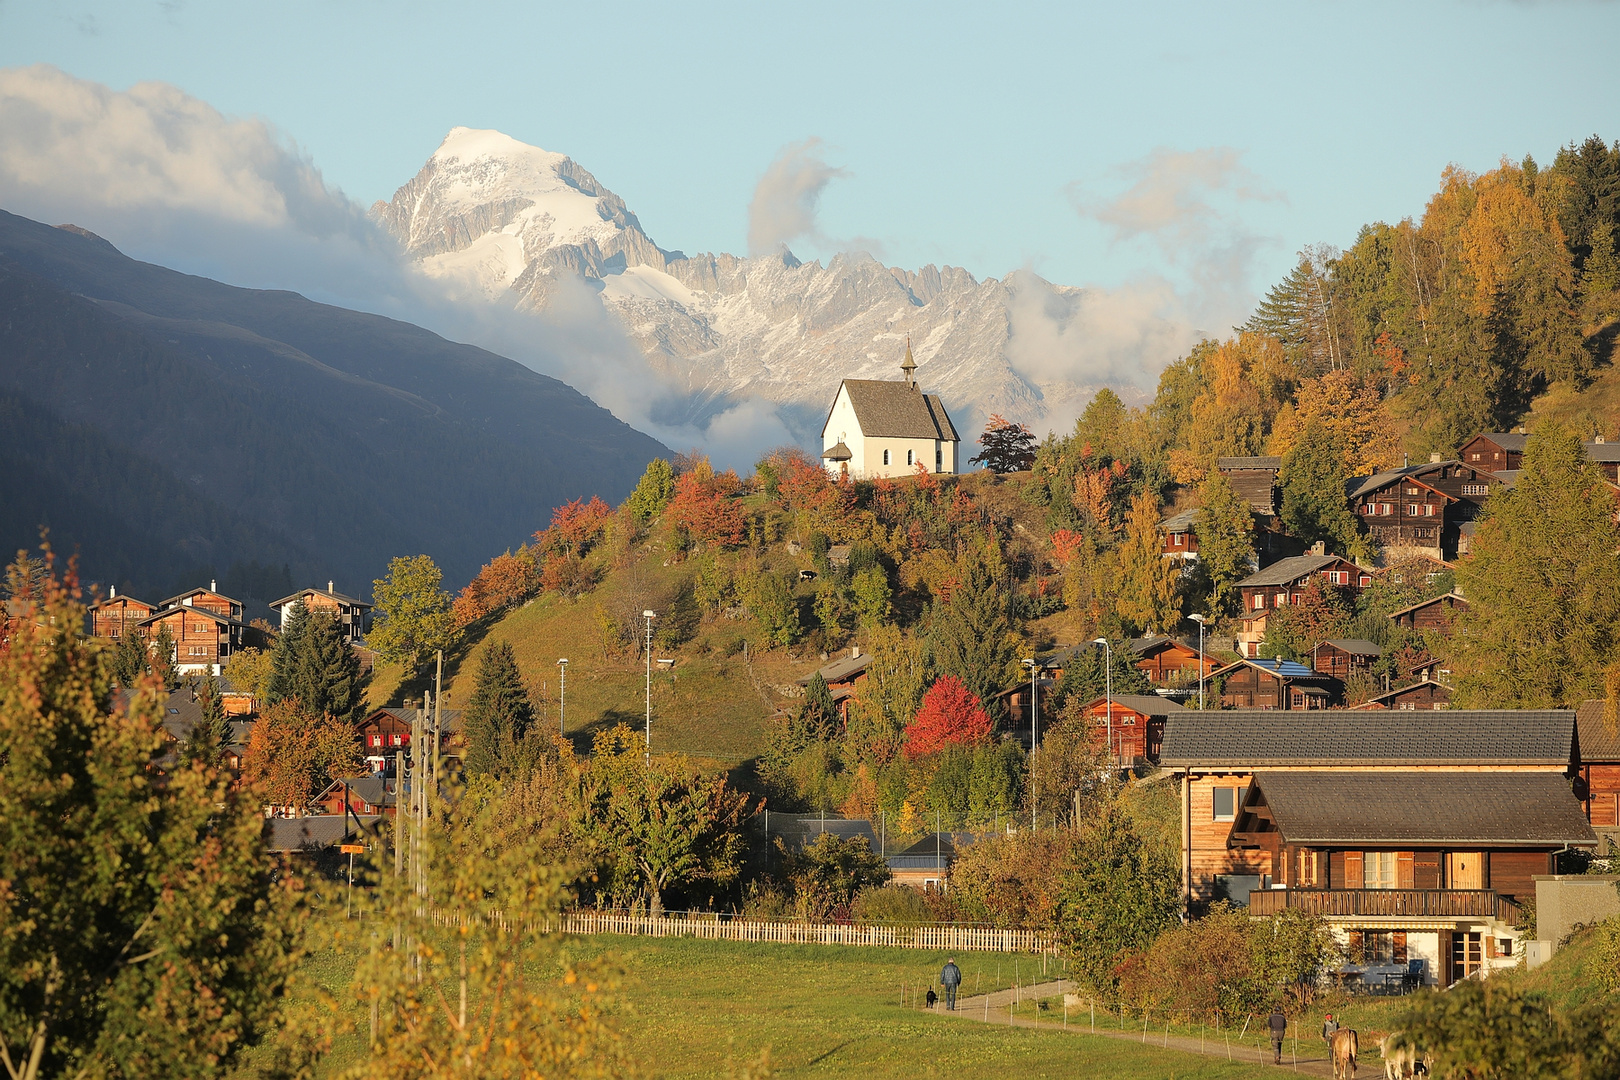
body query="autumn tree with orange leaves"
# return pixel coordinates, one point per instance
(950, 715)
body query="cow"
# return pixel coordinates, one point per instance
(1342, 1048)
(1402, 1061)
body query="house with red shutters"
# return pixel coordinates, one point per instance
(1130, 726)
(1276, 586)
(385, 732)
(1421, 509)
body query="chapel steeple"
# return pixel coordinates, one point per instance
(909, 367)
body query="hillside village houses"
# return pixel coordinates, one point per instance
(877, 428)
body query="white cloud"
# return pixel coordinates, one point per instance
(787, 197)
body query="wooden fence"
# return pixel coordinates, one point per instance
(718, 928)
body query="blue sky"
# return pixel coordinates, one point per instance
(990, 136)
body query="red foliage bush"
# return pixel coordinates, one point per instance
(703, 510)
(950, 714)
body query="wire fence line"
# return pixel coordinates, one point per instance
(715, 927)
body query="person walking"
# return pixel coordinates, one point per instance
(950, 977)
(1329, 1026)
(1277, 1025)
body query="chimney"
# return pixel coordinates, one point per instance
(213, 586)
(112, 591)
(1319, 548)
(854, 652)
(1598, 439)
(331, 587)
(1434, 457)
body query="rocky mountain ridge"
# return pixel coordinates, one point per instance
(507, 221)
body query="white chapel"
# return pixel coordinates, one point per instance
(880, 428)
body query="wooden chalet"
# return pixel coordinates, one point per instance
(1606, 456)
(1180, 535)
(1495, 451)
(386, 731)
(1169, 662)
(1275, 684)
(350, 613)
(1340, 657)
(367, 796)
(1426, 825)
(203, 637)
(1254, 479)
(210, 599)
(1130, 726)
(116, 615)
(1280, 584)
(1424, 694)
(1598, 784)
(1433, 614)
(845, 674)
(1419, 509)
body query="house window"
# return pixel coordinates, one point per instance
(1411, 491)
(1467, 954)
(1366, 580)
(1227, 801)
(1428, 510)
(197, 650)
(885, 457)
(1473, 457)
(1412, 510)
(1379, 869)
(1259, 602)
(1379, 947)
(1282, 599)
(939, 460)
(1385, 509)
(910, 458)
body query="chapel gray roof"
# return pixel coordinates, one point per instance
(372, 788)
(897, 410)
(1288, 571)
(1357, 486)
(1256, 738)
(837, 452)
(1499, 809)
(1354, 646)
(1507, 440)
(1597, 744)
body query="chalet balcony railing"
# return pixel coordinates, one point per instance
(1387, 903)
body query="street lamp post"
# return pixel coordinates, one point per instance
(1108, 690)
(562, 696)
(1199, 619)
(649, 616)
(1034, 733)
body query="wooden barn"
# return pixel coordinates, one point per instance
(1433, 614)
(1340, 657)
(1495, 451)
(844, 674)
(1599, 781)
(1180, 537)
(367, 796)
(1254, 479)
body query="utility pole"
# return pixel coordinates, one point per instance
(438, 699)
(1108, 691)
(649, 616)
(562, 696)
(1199, 619)
(1034, 669)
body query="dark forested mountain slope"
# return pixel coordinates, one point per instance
(165, 424)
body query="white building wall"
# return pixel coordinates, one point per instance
(842, 427)
(866, 460)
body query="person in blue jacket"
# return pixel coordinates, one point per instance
(950, 977)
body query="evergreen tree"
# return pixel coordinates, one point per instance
(164, 663)
(325, 674)
(1088, 675)
(1313, 494)
(208, 739)
(130, 659)
(1225, 551)
(818, 716)
(284, 655)
(1543, 585)
(1119, 893)
(499, 719)
(653, 492)
(970, 634)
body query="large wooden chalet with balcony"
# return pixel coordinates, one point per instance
(1416, 835)
(1420, 509)
(1280, 584)
(1503, 452)
(117, 614)
(206, 626)
(350, 613)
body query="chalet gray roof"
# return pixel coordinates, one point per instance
(1530, 809)
(1288, 571)
(896, 410)
(841, 670)
(1144, 645)
(174, 601)
(1146, 704)
(1256, 738)
(1453, 596)
(371, 788)
(339, 597)
(1596, 742)
(837, 452)
(1358, 486)
(1354, 646)
(1507, 440)
(1509, 477)
(1182, 522)
(1409, 687)
(1602, 451)
(1226, 463)
(313, 833)
(121, 597)
(1284, 669)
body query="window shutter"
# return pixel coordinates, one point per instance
(1490, 946)
(1335, 878)
(1354, 876)
(1400, 946)
(1405, 872)
(1355, 946)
